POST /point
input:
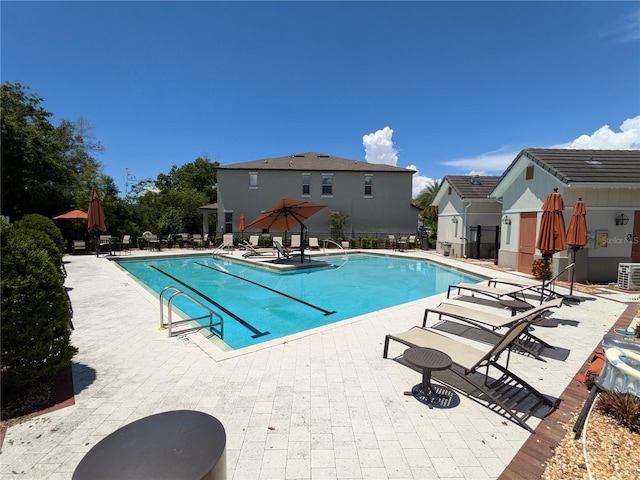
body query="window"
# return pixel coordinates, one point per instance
(253, 180)
(306, 184)
(327, 184)
(228, 222)
(529, 173)
(368, 185)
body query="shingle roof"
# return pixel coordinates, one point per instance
(472, 186)
(312, 161)
(586, 166)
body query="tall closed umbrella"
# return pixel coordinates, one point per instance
(577, 235)
(552, 236)
(242, 226)
(285, 215)
(95, 216)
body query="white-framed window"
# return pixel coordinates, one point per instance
(306, 184)
(368, 185)
(253, 180)
(327, 184)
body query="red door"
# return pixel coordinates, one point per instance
(635, 240)
(527, 241)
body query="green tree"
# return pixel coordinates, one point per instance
(200, 175)
(45, 169)
(423, 201)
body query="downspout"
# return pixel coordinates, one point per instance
(464, 229)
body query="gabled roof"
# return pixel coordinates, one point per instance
(312, 161)
(472, 186)
(580, 166)
(467, 187)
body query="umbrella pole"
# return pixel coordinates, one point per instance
(301, 243)
(97, 243)
(573, 271)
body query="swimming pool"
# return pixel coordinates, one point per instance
(259, 304)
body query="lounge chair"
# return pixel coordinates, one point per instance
(491, 322)
(411, 241)
(392, 241)
(546, 289)
(313, 243)
(346, 245)
(277, 239)
(494, 292)
(253, 252)
(295, 242)
(227, 244)
(509, 392)
(281, 251)
(254, 240)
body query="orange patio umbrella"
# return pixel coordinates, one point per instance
(72, 215)
(285, 215)
(241, 225)
(95, 216)
(552, 236)
(577, 233)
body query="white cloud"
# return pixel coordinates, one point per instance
(419, 182)
(378, 147)
(628, 138)
(495, 163)
(491, 163)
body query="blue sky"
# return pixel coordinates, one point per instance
(445, 88)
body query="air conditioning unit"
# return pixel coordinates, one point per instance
(629, 276)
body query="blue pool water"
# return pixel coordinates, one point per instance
(258, 305)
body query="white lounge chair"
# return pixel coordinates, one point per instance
(493, 321)
(313, 243)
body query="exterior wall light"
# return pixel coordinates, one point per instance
(622, 219)
(506, 220)
(454, 219)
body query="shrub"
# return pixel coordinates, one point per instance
(624, 407)
(35, 311)
(42, 224)
(541, 269)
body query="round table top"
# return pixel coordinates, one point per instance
(427, 358)
(177, 444)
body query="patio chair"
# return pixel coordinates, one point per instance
(79, 246)
(313, 243)
(126, 243)
(509, 392)
(295, 242)
(277, 239)
(196, 240)
(411, 241)
(490, 322)
(392, 241)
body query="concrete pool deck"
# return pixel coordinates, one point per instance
(322, 404)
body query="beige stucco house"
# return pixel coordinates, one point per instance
(467, 218)
(608, 181)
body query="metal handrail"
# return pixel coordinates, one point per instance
(170, 323)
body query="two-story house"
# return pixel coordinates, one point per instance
(376, 197)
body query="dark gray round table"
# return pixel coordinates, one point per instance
(428, 360)
(181, 444)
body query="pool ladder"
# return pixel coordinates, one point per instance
(215, 326)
